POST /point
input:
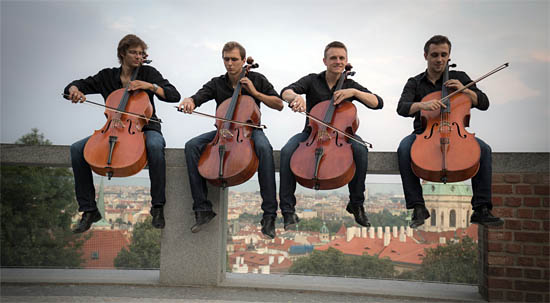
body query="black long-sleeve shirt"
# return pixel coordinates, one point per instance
(316, 89)
(108, 80)
(220, 89)
(419, 86)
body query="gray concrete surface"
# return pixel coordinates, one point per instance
(28, 285)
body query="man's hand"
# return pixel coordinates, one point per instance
(187, 105)
(138, 84)
(76, 95)
(249, 86)
(298, 104)
(432, 105)
(454, 84)
(343, 94)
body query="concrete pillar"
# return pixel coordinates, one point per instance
(187, 258)
(379, 232)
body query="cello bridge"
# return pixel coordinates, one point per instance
(324, 136)
(226, 133)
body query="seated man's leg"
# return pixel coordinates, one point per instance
(481, 187)
(287, 187)
(155, 144)
(266, 179)
(199, 191)
(357, 184)
(411, 183)
(84, 187)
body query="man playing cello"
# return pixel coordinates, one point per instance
(436, 53)
(131, 52)
(221, 88)
(318, 88)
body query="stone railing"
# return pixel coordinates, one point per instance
(514, 258)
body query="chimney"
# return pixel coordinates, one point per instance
(349, 234)
(371, 232)
(401, 229)
(394, 231)
(386, 229)
(379, 232)
(363, 232)
(409, 232)
(280, 259)
(387, 237)
(271, 259)
(402, 237)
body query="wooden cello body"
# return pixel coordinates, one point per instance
(230, 159)
(118, 148)
(445, 151)
(325, 159)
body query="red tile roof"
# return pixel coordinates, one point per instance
(102, 248)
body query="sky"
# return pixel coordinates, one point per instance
(47, 44)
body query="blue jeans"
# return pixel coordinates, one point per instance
(266, 171)
(84, 182)
(481, 182)
(287, 186)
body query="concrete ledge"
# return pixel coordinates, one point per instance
(398, 290)
(379, 162)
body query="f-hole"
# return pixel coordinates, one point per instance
(431, 131)
(337, 139)
(130, 127)
(239, 133)
(312, 139)
(107, 127)
(458, 130)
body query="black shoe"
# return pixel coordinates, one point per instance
(268, 226)
(358, 212)
(290, 219)
(201, 218)
(420, 213)
(484, 217)
(88, 218)
(158, 217)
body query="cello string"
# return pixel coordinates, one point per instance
(119, 111)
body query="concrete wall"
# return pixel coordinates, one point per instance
(514, 258)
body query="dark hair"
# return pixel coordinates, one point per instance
(335, 44)
(229, 46)
(437, 39)
(127, 42)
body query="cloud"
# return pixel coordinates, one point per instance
(541, 55)
(125, 24)
(515, 89)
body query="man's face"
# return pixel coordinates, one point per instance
(233, 61)
(437, 57)
(134, 56)
(335, 59)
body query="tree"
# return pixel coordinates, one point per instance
(37, 207)
(333, 262)
(144, 251)
(385, 218)
(456, 263)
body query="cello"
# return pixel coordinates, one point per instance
(118, 148)
(445, 151)
(230, 159)
(325, 159)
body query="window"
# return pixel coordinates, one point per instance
(433, 218)
(95, 255)
(452, 218)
